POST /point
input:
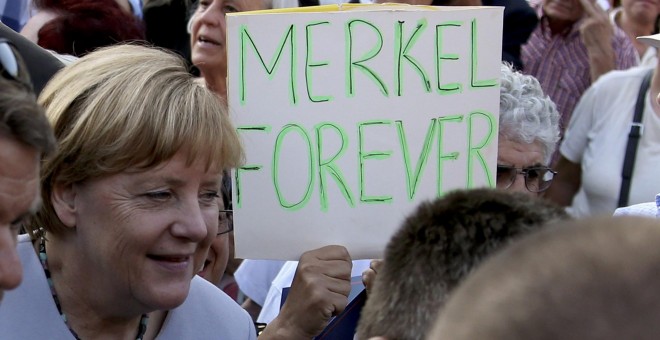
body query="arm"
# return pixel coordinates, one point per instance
(567, 182)
(597, 32)
(319, 291)
(252, 308)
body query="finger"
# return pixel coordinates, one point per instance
(338, 303)
(368, 278)
(376, 265)
(332, 252)
(333, 268)
(338, 286)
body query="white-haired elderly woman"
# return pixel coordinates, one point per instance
(529, 132)
(130, 206)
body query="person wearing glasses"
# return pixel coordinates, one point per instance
(25, 135)
(217, 259)
(528, 134)
(130, 205)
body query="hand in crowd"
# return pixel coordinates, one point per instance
(596, 31)
(319, 291)
(369, 275)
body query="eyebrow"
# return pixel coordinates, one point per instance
(177, 182)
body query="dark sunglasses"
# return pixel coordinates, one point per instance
(12, 66)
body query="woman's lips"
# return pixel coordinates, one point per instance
(171, 262)
(204, 40)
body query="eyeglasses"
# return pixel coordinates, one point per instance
(226, 222)
(537, 178)
(12, 66)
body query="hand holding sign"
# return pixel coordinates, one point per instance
(351, 117)
(319, 291)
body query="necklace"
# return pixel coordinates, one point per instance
(142, 326)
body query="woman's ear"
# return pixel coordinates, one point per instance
(63, 198)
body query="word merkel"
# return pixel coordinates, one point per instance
(352, 115)
(384, 55)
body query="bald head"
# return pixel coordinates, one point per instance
(595, 278)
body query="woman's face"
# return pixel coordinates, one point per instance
(142, 236)
(643, 11)
(208, 47)
(520, 155)
(216, 260)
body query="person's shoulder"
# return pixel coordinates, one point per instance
(618, 78)
(205, 297)
(207, 312)
(24, 238)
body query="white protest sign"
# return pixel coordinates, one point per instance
(350, 118)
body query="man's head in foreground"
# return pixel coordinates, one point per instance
(588, 279)
(437, 246)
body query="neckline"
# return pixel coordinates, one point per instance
(43, 258)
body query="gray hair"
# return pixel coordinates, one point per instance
(526, 113)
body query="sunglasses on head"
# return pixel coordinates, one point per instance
(12, 66)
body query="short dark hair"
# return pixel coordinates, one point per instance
(22, 118)
(589, 279)
(81, 27)
(436, 248)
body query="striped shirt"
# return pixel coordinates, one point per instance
(561, 64)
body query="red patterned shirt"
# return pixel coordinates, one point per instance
(561, 64)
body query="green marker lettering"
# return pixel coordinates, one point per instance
(474, 83)
(475, 151)
(245, 38)
(328, 165)
(401, 53)
(364, 156)
(412, 178)
(443, 157)
(359, 64)
(309, 64)
(439, 57)
(250, 167)
(310, 168)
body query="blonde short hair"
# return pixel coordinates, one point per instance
(129, 107)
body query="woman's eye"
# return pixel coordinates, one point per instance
(230, 9)
(209, 197)
(159, 195)
(533, 173)
(203, 4)
(15, 227)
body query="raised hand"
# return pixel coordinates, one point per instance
(596, 32)
(319, 291)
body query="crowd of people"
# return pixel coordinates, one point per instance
(115, 194)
